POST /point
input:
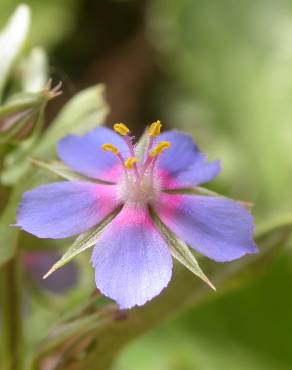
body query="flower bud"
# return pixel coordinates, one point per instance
(19, 116)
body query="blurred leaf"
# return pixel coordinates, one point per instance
(34, 71)
(83, 242)
(82, 113)
(181, 252)
(61, 18)
(230, 83)
(12, 39)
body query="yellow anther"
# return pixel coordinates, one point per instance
(129, 162)
(160, 147)
(121, 129)
(154, 129)
(110, 148)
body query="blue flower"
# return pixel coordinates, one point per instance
(132, 259)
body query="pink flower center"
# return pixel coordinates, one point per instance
(138, 184)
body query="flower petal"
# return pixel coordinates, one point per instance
(217, 227)
(131, 259)
(66, 208)
(183, 165)
(85, 155)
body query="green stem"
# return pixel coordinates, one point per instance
(12, 353)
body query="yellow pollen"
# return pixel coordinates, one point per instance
(160, 147)
(130, 162)
(154, 129)
(121, 129)
(110, 148)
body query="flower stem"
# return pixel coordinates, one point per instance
(11, 314)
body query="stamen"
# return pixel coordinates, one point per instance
(154, 129)
(160, 147)
(130, 162)
(110, 148)
(121, 129)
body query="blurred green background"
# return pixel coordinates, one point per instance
(221, 70)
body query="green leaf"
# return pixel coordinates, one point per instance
(181, 252)
(82, 113)
(83, 242)
(12, 39)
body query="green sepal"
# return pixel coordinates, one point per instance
(83, 242)
(181, 251)
(198, 190)
(60, 169)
